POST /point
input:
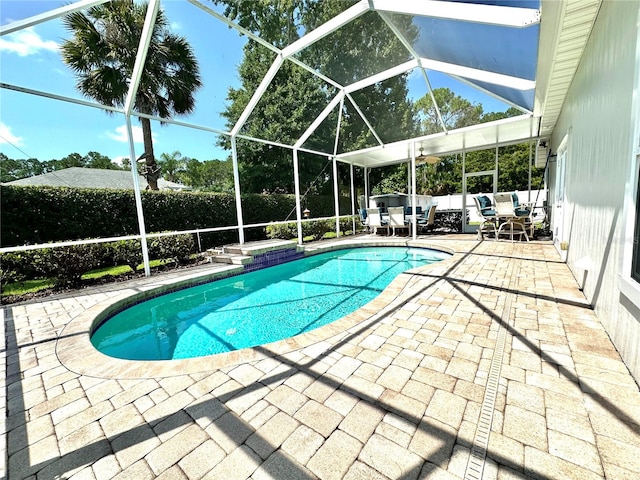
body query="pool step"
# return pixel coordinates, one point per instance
(231, 258)
(257, 248)
(255, 255)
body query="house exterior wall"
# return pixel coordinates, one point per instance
(599, 119)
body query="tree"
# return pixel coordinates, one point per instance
(295, 97)
(172, 164)
(102, 53)
(456, 112)
(217, 176)
(15, 169)
(97, 160)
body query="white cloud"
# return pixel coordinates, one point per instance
(7, 137)
(120, 134)
(26, 42)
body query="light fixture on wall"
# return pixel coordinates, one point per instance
(430, 159)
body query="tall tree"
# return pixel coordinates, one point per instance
(295, 97)
(15, 169)
(102, 53)
(97, 160)
(456, 112)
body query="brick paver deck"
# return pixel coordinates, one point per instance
(489, 365)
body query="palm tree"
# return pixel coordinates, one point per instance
(172, 164)
(102, 53)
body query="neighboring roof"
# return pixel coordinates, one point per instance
(79, 177)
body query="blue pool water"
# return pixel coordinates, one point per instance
(258, 307)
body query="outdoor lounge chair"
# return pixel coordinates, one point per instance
(426, 224)
(397, 220)
(375, 220)
(487, 213)
(513, 219)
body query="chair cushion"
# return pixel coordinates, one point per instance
(484, 201)
(516, 202)
(409, 210)
(523, 212)
(489, 212)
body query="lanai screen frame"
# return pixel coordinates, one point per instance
(524, 128)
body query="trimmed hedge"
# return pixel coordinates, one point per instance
(315, 229)
(67, 264)
(49, 214)
(32, 214)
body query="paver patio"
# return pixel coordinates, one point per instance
(489, 365)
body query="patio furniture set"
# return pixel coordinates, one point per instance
(398, 218)
(505, 216)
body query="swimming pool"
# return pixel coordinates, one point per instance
(258, 307)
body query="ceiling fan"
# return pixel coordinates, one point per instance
(430, 159)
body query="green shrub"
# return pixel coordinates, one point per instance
(67, 264)
(313, 230)
(177, 248)
(282, 231)
(126, 252)
(26, 265)
(10, 271)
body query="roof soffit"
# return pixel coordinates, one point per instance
(563, 36)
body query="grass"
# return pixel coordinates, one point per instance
(32, 286)
(28, 286)
(101, 272)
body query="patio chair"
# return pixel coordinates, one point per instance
(525, 210)
(513, 220)
(363, 218)
(375, 220)
(397, 220)
(426, 224)
(487, 213)
(409, 211)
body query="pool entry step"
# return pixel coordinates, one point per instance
(257, 255)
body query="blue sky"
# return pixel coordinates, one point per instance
(33, 126)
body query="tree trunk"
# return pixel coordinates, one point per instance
(152, 169)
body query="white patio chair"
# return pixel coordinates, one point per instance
(487, 213)
(375, 220)
(396, 219)
(514, 223)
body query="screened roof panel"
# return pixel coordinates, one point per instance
(362, 48)
(521, 98)
(445, 44)
(505, 50)
(285, 121)
(362, 44)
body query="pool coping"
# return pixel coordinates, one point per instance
(76, 352)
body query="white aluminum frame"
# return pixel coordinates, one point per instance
(496, 15)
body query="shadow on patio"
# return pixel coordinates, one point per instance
(494, 352)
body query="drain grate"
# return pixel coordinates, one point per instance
(477, 459)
